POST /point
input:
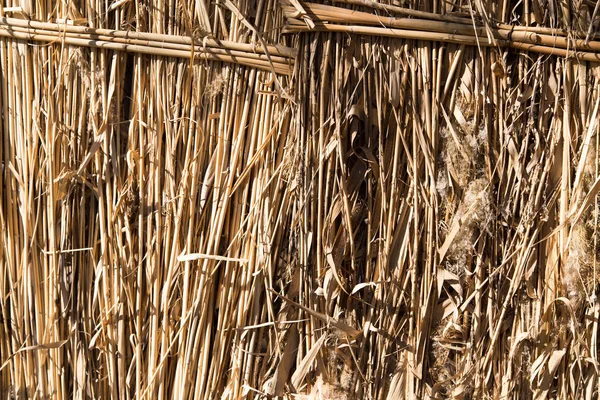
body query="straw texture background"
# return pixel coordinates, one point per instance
(257, 199)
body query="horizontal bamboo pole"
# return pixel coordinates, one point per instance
(343, 15)
(274, 50)
(329, 18)
(154, 44)
(554, 51)
(390, 9)
(131, 48)
(295, 26)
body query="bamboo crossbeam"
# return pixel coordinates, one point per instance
(391, 9)
(282, 58)
(338, 19)
(295, 26)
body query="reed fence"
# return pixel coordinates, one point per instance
(248, 199)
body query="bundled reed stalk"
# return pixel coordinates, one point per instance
(246, 200)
